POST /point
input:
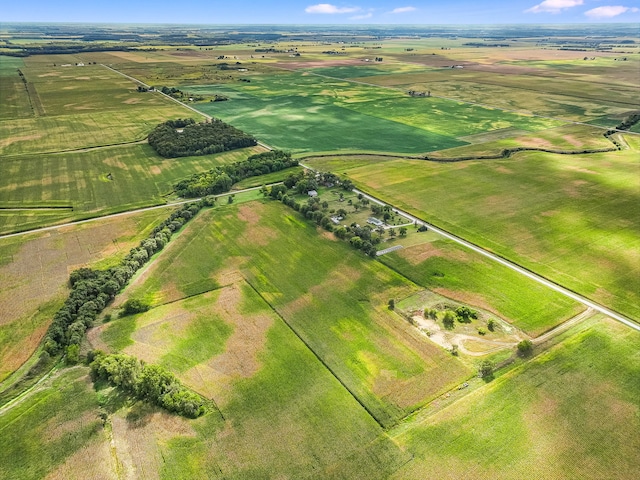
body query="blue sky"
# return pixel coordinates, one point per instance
(319, 12)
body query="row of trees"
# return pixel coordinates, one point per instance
(147, 382)
(197, 138)
(92, 290)
(220, 179)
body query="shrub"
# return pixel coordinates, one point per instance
(525, 348)
(133, 306)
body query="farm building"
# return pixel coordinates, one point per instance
(375, 221)
(312, 193)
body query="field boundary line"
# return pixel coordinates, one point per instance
(322, 362)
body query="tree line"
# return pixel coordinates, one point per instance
(147, 382)
(185, 137)
(92, 290)
(220, 179)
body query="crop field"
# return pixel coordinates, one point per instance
(531, 422)
(572, 218)
(89, 183)
(309, 112)
(34, 272)
(79, 107)
(315, 360)
(331, 297)
(231, 346)
(44, 431)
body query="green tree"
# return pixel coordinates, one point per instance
(391, 304)
(403, 231)
(485, 370)
(525, 348)
(491, 324)
(449, 320)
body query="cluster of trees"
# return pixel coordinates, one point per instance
(197, 138)
(361, 238)
(147, 382)
(462, 314)
(92, 290)
(220, 179)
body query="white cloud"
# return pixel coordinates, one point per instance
(330, 9)
(361, 17)
(608, 11)
(554, 6)
(403, 10)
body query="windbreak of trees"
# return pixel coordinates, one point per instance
(185, 137)
(92, 290)
(220, 179)
(147, 382)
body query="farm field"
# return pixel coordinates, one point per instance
(571, 218)
(231, 346)
(324, 111)
(79, 107)
(314, 359)
(34, 273)
(78, 183)
(371, 351)
(531, 422)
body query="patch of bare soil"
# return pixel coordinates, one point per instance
(137, 438)
(4, 142)
(241, 356)
(91, 462)
(419, 253)
(256, 234)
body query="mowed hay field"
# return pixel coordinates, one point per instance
(34, 274)
(571, 218)
(534, 422)
(333, 298)
(78, 107)
(80, 182)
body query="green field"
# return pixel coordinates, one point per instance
(310, 371)
(79, 107)
(533, 422)
(268, 385)
(45, 430)
(572, 218)
(79, 181)
(446, 268)
(331, 297)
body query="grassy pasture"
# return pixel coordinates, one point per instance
(35, 269)
(331, 296)
(572, 218)
(532, 422)
(139, 178)
(45, 430)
